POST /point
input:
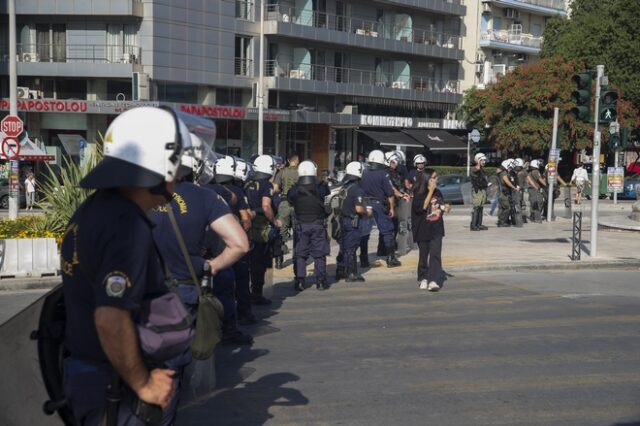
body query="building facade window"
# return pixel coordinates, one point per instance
(243, 61)
(244, 9)
(121, 43)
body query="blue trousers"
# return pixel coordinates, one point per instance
(224, 287)
(385, 226)
(349, 243)
(311, 241)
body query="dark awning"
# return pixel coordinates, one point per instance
(438, 141)
(393, 137)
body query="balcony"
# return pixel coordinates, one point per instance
(537, 7)
(511, 41)
(76, 60)
(350, 81)
(445, 7)
(362, 33)
(243, 67)
(77, 8)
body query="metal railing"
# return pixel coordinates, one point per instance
(551, 4)
(244, 67)
(75, 53)
(513, 37)
(356, 76)
(364, 27)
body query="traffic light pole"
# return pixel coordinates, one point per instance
(595, 167)
(550, 182)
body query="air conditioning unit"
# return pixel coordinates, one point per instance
(35, 94)
(512, 13)
(486, 8)
(28, 57)
(300, 74)
(140, 86)
(23, 92)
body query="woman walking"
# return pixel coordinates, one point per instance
(427, 223)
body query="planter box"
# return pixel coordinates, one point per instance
(29, 257)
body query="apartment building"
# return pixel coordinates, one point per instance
(503, 34)
(341, 76)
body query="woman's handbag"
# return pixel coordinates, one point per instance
(208, 329)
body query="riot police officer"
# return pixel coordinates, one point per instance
(479, 185)
(110, 266)
(283, 182)
(536, 191)
(516, 199)
(259, 193)
(419, 163)
(521, 181)
(311, 239)
(377, 187)
(505, 211)
(353, 207)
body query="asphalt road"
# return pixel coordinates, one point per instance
(551, 348)
(13, 301)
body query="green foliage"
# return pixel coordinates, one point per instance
(600, 32)
(63, 196)
(460, 170)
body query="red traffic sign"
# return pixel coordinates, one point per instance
(11, 148)
(11, 126)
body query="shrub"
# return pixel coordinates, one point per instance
(27, 227)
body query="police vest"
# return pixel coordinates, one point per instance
(309, 207)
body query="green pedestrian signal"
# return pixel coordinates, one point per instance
(582, 97)
(608, 106)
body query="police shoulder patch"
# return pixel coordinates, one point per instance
(116, 284)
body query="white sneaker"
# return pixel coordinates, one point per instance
(423, 285)
(433, 286)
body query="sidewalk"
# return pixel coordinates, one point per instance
(534, 246)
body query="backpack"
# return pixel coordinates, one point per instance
(336, 215)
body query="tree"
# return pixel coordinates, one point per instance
(517, 111)
(600, 32)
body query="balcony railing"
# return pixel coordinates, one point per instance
(551, 4)
(364, 27)
(356, 76)
(244, 67)
(512, 37)
(76, 53)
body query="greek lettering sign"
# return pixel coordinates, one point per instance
(385, 121)
(615, 179)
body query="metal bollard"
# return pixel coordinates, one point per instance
(576, 240)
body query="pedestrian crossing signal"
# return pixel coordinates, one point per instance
(582, 96)
(608, 107)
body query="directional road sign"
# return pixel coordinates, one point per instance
(11, 126)
(10, 148)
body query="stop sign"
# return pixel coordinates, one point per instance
(11, 126)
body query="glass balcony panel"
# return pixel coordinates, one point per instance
(75, 53)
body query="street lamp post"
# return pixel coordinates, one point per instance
(261, 83)
(595, 167)
(14, 172)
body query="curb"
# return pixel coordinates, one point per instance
(27, 284)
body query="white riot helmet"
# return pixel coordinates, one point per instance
(518, 162)
(307, 172)
(479, 157)
(225, 169)
(376, 156)
(507, 164)
(419, 159)
(390, 157)
(142, 148)
(402, 157)
(242, 171)
(355, 169)
(264, 166)
(535, 164)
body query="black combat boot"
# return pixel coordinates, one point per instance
(392, 260)
(321, 283)
(340, 273)
(479, 224)
(279, 261)
(364, 256)
(298, 284)
(474, 220)
(354, 276)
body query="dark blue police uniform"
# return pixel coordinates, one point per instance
(260, 255)
(377, 188)
(351, 231)
(311, 239)
(108, 259)
(413, 173)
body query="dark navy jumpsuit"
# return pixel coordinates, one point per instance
(260, 254)
(109, 259)
(351, 231)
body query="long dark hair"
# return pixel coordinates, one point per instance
(422, 182)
